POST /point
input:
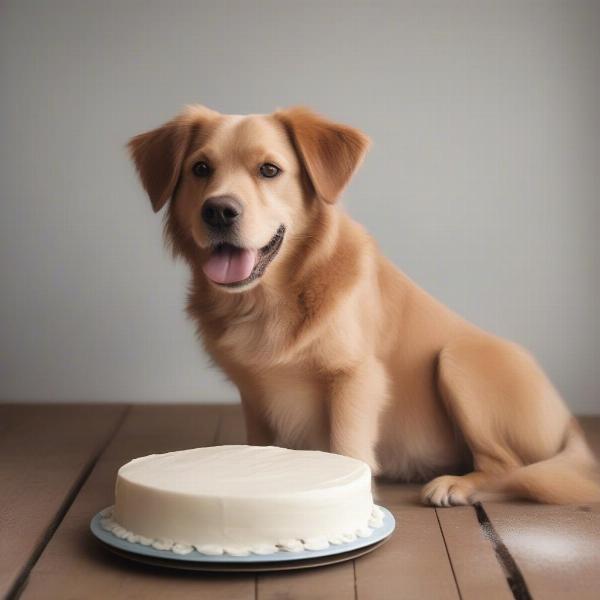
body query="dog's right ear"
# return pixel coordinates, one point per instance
(158, 154)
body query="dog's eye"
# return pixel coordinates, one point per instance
(201, 169)
(269, 170)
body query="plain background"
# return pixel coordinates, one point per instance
(483, 183)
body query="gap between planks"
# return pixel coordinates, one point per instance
(556, 548)
(437, 516)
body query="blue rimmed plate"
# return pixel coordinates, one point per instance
(269, 562)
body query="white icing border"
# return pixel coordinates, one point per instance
(290, 545)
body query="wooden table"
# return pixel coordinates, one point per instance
(57, 469)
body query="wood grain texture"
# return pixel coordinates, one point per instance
(74, 565)
(45, 451)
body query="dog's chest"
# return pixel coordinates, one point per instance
(295, 407)
(256, 341)
(279, 335)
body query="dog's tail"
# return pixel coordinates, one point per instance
(569, 477)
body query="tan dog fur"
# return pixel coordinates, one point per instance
(334, 348)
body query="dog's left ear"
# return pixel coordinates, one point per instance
(330, 152)
(158, 154)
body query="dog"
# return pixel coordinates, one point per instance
(331, 347)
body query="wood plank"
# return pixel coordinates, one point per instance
(556, 548)
(322, 583)
(476, 569)
(73, 562)
(45, 453)
(74, 565)
(414, 562)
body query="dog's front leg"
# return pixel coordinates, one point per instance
(258, 431)
(357, 396)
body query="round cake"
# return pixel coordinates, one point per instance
(242, 499)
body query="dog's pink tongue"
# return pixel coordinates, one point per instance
(229, 265)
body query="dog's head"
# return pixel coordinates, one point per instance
(242, 188)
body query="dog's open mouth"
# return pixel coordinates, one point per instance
(231, 266)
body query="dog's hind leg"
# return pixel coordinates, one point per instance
(505, 408)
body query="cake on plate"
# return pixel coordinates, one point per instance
(239, 500)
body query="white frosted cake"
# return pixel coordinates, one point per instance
(242, 499)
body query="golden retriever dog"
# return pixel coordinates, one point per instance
(330, 345)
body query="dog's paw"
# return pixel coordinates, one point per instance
(448, 490)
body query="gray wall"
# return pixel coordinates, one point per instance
(483, 184)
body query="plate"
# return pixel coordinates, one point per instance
(253, 563)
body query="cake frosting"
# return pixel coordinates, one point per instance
(242, 499)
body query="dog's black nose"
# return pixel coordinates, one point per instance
(221, 212)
